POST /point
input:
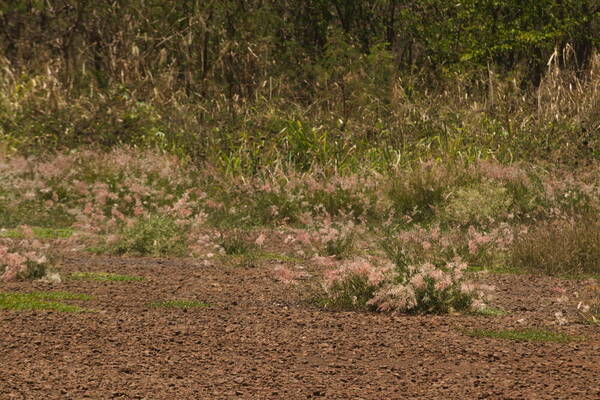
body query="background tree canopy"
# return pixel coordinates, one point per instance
(349, 59)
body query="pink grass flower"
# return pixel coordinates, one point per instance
(559, 290)
(26, 231)
(417, 281)
(285, 275)
(260, 240)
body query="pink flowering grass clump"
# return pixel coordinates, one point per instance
(286, 275)
(22, 260)
(407, 284)
(427, 289)
(325, 237)
(353, 284)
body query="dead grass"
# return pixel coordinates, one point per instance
(560, 247)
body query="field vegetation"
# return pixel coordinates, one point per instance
(401, 147)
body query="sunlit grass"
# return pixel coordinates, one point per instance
(41, 301)
(104, 277)
(254, 257)
(492, 312)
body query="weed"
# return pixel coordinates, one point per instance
(338, 242)
(589, 304)
(23, 261)
(418, 191)
(351, 293)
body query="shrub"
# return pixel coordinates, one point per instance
(562, 246)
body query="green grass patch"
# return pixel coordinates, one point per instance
(40, 233)
(491, 312)
(155, 236)
(41, 301)
(529, 335)
(179, 304)
(254, 257)
(270, 256)
(34, 213)
(104, 277)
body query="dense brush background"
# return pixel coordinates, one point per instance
(248, 85)
(408, 145)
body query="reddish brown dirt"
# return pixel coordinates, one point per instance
(257, 340)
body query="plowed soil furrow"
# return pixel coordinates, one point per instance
(258, 340)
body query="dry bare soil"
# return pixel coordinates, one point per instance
(258, 339)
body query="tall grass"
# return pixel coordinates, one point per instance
(461, 118)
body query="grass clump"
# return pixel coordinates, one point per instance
(41, 301)
(353, 292)
(179, 304)
(559, 247)
(338, 242)
(402, 288)
(155, 235)
(235, 243)
(529, 335)
(104, 277)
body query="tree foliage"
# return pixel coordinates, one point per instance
(238, 44)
